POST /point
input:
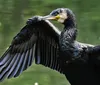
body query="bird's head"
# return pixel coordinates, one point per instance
(61, 15)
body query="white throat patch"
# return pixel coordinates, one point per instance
(63, 16)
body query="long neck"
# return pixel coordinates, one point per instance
(68, 35)
(69, 29)
(69, 23)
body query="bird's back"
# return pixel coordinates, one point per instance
(81, 71)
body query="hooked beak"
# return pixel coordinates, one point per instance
(50, 17)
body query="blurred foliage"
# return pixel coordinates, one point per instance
(14, 14)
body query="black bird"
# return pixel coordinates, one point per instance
(42, 41)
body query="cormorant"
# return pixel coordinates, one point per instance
(42, 41)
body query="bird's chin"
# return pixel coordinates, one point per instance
(61, 20)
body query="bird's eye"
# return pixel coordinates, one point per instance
(55, 13)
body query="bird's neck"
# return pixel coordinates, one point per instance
(69, 24)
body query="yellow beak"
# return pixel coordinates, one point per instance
(50, 17)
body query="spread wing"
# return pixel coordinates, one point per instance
(39, 41)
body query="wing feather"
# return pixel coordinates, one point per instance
(6, 70)
(38, 40)
(18, 63)
(4, 59)
(14, 65)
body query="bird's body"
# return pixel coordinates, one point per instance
(75, 64)
(60, 51)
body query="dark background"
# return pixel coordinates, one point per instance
(14, 14)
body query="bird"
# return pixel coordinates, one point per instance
(40, 41)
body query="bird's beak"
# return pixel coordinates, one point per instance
(50, 17)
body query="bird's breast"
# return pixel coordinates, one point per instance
(65, 40)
